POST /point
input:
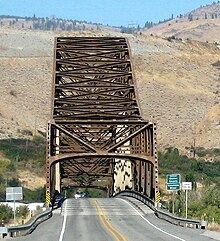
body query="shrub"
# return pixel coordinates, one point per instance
(22, 211)
(37, 195)
(170, 38)
(26, 132)
(14, 182)
(6, 213)
(13, 93)
(38, 140)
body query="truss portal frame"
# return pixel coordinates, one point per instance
(96, 117)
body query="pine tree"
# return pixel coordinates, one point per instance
(190, 17)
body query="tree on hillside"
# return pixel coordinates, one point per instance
(126, 30)
(190, 17)
(148, 24)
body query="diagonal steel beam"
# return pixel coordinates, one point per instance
(120, 143)
(75, 137)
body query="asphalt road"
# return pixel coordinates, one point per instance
(113, 219)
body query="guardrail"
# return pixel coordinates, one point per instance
(163, 215)
(141, 197)
(25, 228)
(181, 221)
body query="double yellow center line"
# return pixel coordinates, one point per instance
(104, 219)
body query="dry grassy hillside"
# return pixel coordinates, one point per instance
(177, 84)
(202, 24)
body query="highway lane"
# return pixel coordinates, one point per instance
(110, 220)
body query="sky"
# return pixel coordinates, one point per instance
(111, 12)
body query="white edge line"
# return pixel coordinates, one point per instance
(64, 222)
(153, 224)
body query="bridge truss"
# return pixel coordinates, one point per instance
(96, 135)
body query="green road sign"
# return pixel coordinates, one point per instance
(173, 182)
(173, 187)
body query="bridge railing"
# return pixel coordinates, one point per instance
(139, 196)
(161, 214)
(25, 228)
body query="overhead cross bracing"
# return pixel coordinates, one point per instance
(96, 130)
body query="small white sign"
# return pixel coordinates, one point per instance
(186, 185)
(14, 193)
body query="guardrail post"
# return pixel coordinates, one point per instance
(3, 232)
(204, 224)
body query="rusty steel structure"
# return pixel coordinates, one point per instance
(96, 136)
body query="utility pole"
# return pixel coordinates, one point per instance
(35, 126)
(173, 207)
(194, 147)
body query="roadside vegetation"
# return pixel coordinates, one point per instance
(19, 155)
(203, 200)
(23, 153)
(7, 214)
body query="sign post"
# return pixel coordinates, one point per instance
(12, 194)
(186, 186)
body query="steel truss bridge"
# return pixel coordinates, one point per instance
(96, 133)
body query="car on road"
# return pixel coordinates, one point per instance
(79, 194)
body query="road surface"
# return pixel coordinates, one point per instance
(114, 219)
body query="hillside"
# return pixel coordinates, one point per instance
(202, 24)
(178, 85)
(52, 23)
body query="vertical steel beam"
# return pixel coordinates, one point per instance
(48, 171)
(57, 165)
